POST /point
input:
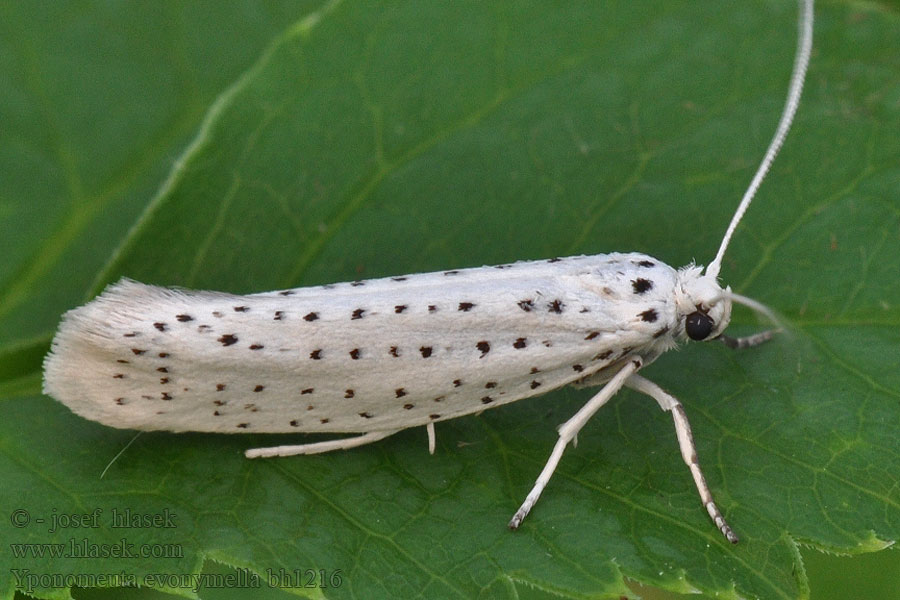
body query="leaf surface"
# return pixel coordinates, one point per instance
(353, 140)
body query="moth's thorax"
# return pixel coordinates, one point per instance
(698, 292)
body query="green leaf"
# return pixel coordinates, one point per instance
(352, 140)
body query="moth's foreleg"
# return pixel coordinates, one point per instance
(686, 442)
(319, 447)
(749, 341)
(567, 433)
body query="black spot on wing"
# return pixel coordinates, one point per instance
(649, 315)
(228, 339)
(641, 285)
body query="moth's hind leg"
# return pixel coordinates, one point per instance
(319, 447)
(686, 442)
(430, 428)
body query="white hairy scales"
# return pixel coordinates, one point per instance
(365, 356)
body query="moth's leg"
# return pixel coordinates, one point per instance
(748, 342)
(430, 428)
(598, 378)
(686, 442)
(319, 447)
(567, 433)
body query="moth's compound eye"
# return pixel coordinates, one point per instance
(698, 325)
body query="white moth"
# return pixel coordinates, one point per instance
(378, 356)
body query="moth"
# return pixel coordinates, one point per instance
(374, 357)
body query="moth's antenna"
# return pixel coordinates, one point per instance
(801, 62)
(758, 307)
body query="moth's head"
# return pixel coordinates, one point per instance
(704, 307)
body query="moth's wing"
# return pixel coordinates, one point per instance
(353, 357)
